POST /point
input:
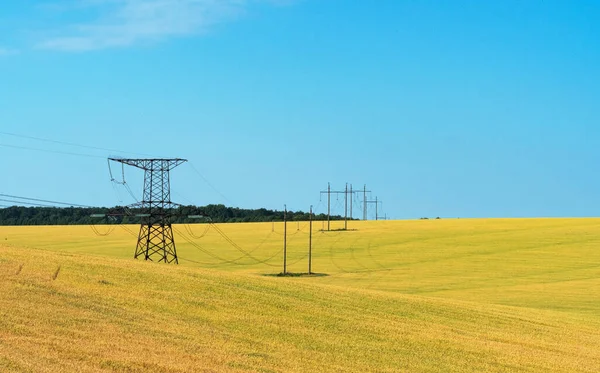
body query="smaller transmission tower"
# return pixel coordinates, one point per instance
(155, 240)
(377, 203)
(346, 193)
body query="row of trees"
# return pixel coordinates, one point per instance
(18, 215)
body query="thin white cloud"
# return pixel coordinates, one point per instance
(7, 52)
(122, 23)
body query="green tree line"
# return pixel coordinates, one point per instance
(18, 215)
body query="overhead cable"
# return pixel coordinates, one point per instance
(71, 144)
(210, 184)
(44, 201)
(50, 151)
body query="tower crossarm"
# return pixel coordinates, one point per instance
(155, 240)
(166, 208)
(151, 164)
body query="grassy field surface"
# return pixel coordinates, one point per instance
(488, 295)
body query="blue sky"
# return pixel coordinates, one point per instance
(443, 108)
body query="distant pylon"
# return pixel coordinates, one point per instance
(155, 240)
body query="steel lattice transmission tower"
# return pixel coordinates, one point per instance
(155, 241)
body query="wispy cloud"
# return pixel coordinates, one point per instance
(8, 52)
(122, 23)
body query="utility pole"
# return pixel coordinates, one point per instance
(155, 239)
(376, 202)
(310, 219)
(365, 191)
(284, 239)
(329, 193)
(328, 206)
(346, 208)
(365, 203)
(351, 198)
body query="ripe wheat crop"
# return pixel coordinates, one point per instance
(477, 295)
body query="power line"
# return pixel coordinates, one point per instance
(126, 229)
(237, 247)
(210, 184)
(376, 202)
(155, 240)
(70, 143)
(97, 232)
(345, 192)
(16, 203)
(192, 261)
(207, 252)
(122, 182)
(50, 151)
(44, 201)
(191, 233)
(246, 254)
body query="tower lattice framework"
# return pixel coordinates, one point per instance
(155, 240)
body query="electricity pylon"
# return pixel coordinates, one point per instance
(377, 203)
(155, 240)
(345, 192)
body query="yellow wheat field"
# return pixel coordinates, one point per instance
(438, 295)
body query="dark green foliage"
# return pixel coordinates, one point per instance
(17, 215)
